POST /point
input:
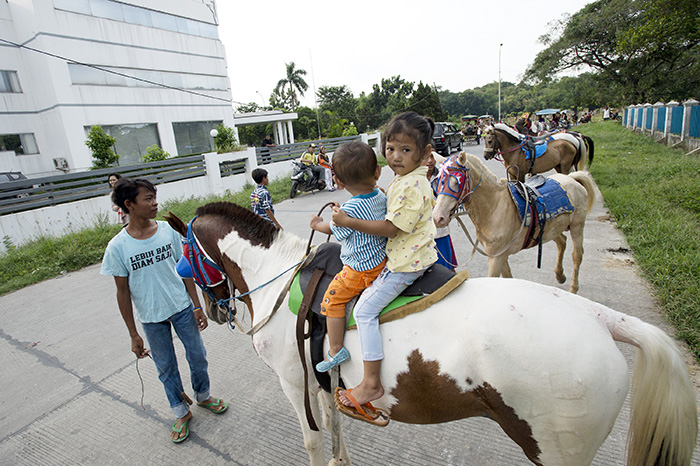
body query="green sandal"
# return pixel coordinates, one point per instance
(214, 405)
(184, 425)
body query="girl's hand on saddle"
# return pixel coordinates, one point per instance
(201, 318)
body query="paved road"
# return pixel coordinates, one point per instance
(71, 393)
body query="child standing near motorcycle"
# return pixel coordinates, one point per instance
(410, 250)
(260, 199)
(363, 255)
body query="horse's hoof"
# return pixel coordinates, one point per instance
(561, 278)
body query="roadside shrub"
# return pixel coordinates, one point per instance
(154, 154)
(101, 144)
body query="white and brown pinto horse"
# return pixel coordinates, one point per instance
(568, 150)
(540, 362)
(464, 179)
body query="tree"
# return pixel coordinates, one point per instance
(225, 139)
(101, 144)
(426, 101)
(640, 50)
(294, 82)
(154, 153)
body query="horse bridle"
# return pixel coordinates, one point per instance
(452, 169)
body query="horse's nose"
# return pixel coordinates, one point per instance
(440, 219)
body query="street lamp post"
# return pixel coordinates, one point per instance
(500, 47)
(261, 98)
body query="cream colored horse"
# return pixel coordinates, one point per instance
(488, 202)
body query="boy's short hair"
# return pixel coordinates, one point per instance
(127, 189)
(258, 175)
(354, 162)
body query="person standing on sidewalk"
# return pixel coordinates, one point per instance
(142, 259)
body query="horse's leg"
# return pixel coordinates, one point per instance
(560, 240)
(498, 266)
(577, 255)
(327, 407)
(313, 440)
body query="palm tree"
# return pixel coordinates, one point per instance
(294, 81)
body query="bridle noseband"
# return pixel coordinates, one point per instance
(452, 169)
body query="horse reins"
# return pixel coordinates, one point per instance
(448, 170)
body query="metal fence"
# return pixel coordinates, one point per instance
(267, 155)
(33, 193)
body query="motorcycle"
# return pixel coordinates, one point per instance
(299, 179)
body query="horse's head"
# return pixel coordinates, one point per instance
(491, 143)
(212, 282)
(454, 186)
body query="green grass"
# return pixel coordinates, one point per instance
(653, 192)
(48, 257)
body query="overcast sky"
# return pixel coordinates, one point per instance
(451, 44)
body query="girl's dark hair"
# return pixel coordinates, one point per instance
(127, 189)
(418, 127)
(116, 175)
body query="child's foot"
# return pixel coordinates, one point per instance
(181, 430)
(362, 395)
(332, 361)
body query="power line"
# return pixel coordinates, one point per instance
(106, 70)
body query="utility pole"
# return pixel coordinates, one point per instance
(500, 47)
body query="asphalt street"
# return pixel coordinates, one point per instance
(72, 394)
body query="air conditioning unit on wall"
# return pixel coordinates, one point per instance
(61, 163)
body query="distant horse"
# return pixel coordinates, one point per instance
(540, 362)
(568, 150)
(499, 227)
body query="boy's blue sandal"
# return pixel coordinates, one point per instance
(339, 358)
(185, 425)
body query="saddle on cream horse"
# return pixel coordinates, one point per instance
(540, 362)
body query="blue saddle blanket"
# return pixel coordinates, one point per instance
(552, 200)
(539, 149)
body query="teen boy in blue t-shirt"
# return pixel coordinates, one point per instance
(142, 259)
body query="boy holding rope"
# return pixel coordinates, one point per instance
(142, 259)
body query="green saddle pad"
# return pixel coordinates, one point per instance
(296, 295)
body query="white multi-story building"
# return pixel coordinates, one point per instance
(147, 71)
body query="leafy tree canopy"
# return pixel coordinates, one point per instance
(640, 50)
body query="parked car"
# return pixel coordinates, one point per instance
(446, 138)
(7, 192)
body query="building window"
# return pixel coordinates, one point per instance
(81, 74)
(116, 11)
(9, 82)
(132, 140)
(193, 137)
(21, 144)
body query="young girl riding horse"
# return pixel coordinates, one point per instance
(410, 249)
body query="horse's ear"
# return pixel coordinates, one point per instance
(177, 224)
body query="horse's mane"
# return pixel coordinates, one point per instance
(249, 225)
(486, 174)
(510, 132)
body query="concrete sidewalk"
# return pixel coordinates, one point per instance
(72, 395)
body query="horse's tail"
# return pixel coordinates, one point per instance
(591, 148)
(663, 419)
(580, 157)
(585, 180)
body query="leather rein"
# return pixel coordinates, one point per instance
(452, 169)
